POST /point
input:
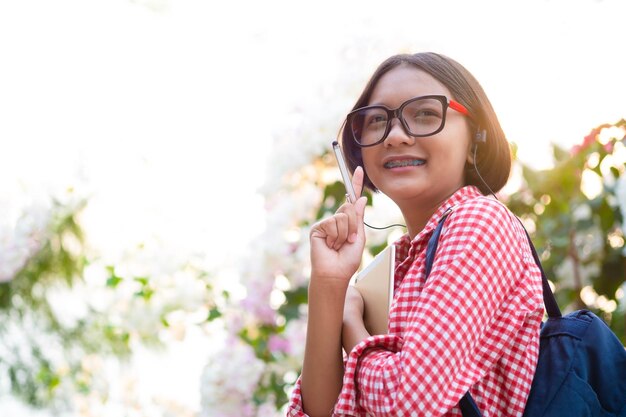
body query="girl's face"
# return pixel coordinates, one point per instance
(417, 170)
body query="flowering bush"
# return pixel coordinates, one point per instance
(68, 320)
(20, 238)
(227, 384)
(576, 213)
(37, 251)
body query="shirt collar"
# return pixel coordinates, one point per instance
(462, 195)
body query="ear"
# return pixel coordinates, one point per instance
(470, 153)
(479, 137)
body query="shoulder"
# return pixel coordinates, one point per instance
(484, 216)
(481, 206)
(482, 234)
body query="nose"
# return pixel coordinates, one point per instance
(397, 135)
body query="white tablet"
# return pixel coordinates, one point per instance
(375, 283)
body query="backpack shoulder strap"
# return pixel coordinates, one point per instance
(433, 242)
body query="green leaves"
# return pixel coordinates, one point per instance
(214, 313)
(572, 205)
(334, 197)
(145, 289)
(293, 300)
(113, 280)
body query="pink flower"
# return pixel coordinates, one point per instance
(588, 140)
(257, 302)
(278, 344)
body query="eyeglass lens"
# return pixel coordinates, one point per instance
(422, 117)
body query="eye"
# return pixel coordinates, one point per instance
(375, 119)
(426, 113)
(423, 112)
(422, 115)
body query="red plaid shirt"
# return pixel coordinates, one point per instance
(472, 325)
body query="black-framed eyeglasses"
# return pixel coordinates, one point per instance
(419, 116)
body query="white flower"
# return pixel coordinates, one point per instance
(229, 381)
(608, 133)
(268, 409)
(567, 274)
(582, 212)
(589, 243)
(21, 236)
(295, 333)
(69, 305)
(621, 299)
(257, 301)
(620, 193)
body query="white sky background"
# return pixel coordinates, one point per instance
(141, 101)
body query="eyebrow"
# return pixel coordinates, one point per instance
(410, 98)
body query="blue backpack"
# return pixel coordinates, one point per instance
(582, 364)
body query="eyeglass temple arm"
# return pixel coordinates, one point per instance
(455, 105)
(481, 134)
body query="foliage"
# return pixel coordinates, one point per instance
(65, 315)
(27, 312)
(576, 210)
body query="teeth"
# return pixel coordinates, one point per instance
(405, 163)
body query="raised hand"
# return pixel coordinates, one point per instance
(337, 242)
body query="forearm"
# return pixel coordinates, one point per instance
(353, 331)
(322, 371)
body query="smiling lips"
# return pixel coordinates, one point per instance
(397, 163)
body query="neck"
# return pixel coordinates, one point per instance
(416, 217)
(417, 214)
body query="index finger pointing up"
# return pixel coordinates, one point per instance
(357, 181)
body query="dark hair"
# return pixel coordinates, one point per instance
(493, 157)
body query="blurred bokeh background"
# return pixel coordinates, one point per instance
(161, 161)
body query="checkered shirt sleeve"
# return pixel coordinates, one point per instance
(473, 324)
